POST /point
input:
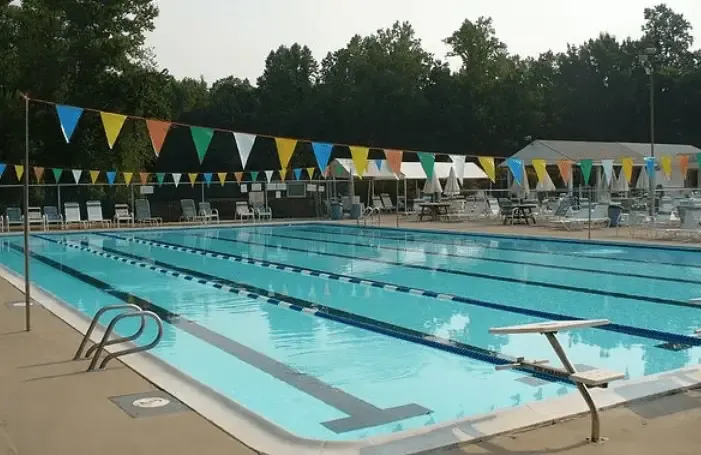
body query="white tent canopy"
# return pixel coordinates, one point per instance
(409, 170)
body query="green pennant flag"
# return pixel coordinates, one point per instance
(586, 165)
(698, 159)
(254, 175)
(427, 162)
(201, 137)
(57, 174)
(160, 176)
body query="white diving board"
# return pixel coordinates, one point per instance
(695, 301)
(549, 327)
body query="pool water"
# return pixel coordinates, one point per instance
(339, 333)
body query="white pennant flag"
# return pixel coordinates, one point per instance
(608, 169)
(76, 174)
(176, 179)
(459, 165)
(269, 175)
(244, 142)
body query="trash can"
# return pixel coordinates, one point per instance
(336, 211)
(355, 211)
(614, 214)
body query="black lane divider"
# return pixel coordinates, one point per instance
(612, 327)
(361, 414)
(472, 242)
(541, 284)
(478, 258)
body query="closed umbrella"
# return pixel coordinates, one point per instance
(433, 185)
(621, 184)
(643, 182)
(452, 188)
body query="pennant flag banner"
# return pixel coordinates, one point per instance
(607, 165)
(193, 178)
(68, 117)
(459, 165)
(565, 167)
(244, 143)
(487, 163)
(269, 175)
(94, 175)
(222, 177)
(283, 174)
(541, 170)
(19, 171)
(57, 174)
(38, 172)
(207, 177)
(360, 159)
(628, 168)
(698, 159)
(76, 175)
(254, 176)
(3, 166)
(143, 176)
(176, 178)
(322, 153)
(650, 165)
(310, 173)
(127, 177)
(238, 176)
(666, 162)
(201, 137)
(158, 130)
(160, 177)
(298, 173)
(428, 161)
(683, 165)
(111, 176)
(285, 149)
(378, 163)
(586, 166)
(516, 167)
(113, 125)
(394, 160)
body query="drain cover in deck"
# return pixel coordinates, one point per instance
(148, 404)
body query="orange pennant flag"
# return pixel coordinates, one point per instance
(565, 167)
(38, 172)
(143, 176)
(113, 125)
(193, 178)
(394, 160)
(360, 159)
(310, 172)
(283, 174)
(285, 149)
(683, 165)
(127, 177)
(158, 130)
(239, 176)
(222, 177)
(94, 175)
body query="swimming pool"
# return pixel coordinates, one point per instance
(338, 333)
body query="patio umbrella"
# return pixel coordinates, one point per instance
(452, 188)
(620, 185)
(433, 185)
(547, 185)
(643, 182)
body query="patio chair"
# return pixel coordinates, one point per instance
(122, 213)
(578, 220)
(207, 212)
(95, 216)
(507, 210)
(13, 216)
(387, 202)
(142, 214)
(52, 216)
(71, 215)
(243, 211)
(456, 211)
(377, 203)
(263, 212)
(189, 211)
(34, 216)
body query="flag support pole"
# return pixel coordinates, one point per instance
(27, 291)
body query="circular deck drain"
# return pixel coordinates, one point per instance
(151, 402)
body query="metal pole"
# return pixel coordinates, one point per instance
(590, 200)
(58, 196)
(652, 140)
(396, 207)
(27, 292)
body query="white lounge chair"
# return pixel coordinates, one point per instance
(387, 202)
(244, 212)
(71, 215)
(95, 216)
(34, 216)
(207, 212)
(122, 214)
(143, 213)
(581, 218)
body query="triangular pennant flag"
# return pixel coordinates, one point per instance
(244, 144)
(160, 177)
(698, 159)
(459, 165)
(94, 175)
(201, 137)
(283, 174)
(222, 177)
(207, 177)
(238, 176)
(76, 175)
(627, 168)
(111, 176)
(268, 175)
(666, 162)
(585, 166)
(683, 165)
(360, 159)
(19, 171)
(650, 165)
(143, 176)
(607, 165)
(2, 168)
(68, 117)
(541, 171)
(427, 160)
(322, 153)
(38, 172)
(57, 174)
(565, 167)
(516, 167)
(310, 172)
(127, 177)
(158, 130)
(254, 176)
(285, 149)
(176, 178)
(193, 178)
(378, 163)
(297, 173)
(113, 125)
(487, 163)
(394, 160)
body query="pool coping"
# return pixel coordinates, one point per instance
(263, 436)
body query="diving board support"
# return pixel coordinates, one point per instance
(582, 380)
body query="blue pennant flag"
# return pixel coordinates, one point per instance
(111, 175)
(2, 168)
(322, 153)
(516, 167)
(68, 117)
(207, 177)
(650, 165)
(298, 173)
(378, 163)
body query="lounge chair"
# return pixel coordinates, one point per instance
(244, 212)
(189, 211)
(71, 215)
(13, 216)
(34, 216)
(143, 213)
(507, 210)
(52, 216)
(122, 213)
(263, 212)
(581, 218)
(377, 203)
(207, 212)
(387, 202)
(95, 214)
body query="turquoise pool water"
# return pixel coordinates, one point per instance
(339, 333)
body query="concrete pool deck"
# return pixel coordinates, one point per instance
(48, 405)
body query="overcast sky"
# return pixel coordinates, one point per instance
(218, 38)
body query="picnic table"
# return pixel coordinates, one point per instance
(433, 209)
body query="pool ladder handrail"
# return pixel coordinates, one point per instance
(96, 350)
(369, 213)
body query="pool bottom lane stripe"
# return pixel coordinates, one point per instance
(361, 414)
(619, 328)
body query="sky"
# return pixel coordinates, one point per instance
(219, 38)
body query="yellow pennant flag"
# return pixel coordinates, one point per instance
(193, 178)
(127, 177)
(38, 172)
(239, 176)
(113, 125)
(666, 162)
(360, 159)
(94, 175)
(487, 163)
(19, 170)
(540, 170)
(222, 177)
(285, 149)
(283, 174)
(310, 172)
(628, 168)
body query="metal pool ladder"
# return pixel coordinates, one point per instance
(127, 311)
